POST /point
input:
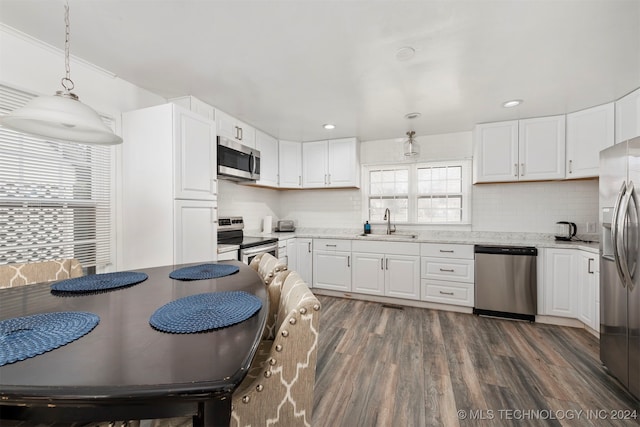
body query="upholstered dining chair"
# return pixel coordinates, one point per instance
(34, 272)
(278, 389)
(267, 266)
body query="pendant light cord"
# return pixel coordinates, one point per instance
(67, 83)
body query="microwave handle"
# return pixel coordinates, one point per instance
(252, 163)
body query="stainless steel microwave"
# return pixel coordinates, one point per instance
(237, 162)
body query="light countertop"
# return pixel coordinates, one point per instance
(538, 240)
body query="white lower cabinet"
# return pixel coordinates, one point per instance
(560, 280)
(386, 268)
(303, 253)
(332, 264)
(571, 285)
(588, 290)
(447, 274)
(195, 232)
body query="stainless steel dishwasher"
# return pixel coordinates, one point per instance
(506, 281)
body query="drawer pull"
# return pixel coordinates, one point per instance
(446, 293)
(447, 270)
(330, 246)
(446, 252)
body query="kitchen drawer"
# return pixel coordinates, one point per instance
(458, 270)
(447, 292)
(446, 250)
(331, 245)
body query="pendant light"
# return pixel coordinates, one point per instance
(411, 147)
(61, 116)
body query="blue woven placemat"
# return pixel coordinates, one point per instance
(99, 282)
(29, 336)
(203, 312)
(204, 271)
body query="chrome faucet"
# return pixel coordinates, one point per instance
(387, 217)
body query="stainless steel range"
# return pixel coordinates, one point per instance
(230, 232)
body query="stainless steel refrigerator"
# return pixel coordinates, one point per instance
(619, 259)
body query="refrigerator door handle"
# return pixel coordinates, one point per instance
(614, 232)
(631, 231)
(623, 249)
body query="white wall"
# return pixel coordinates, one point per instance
(252, 203)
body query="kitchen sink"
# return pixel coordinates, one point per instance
(389, 236)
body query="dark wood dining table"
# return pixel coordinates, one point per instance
(124, 369)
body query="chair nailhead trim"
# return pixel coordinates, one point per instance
(245, 399)
(316, 307)
(278, 347)
(303, 310)
(285, 333)
(259, 388)
(272, 361)
(267, 374)
(292, 321)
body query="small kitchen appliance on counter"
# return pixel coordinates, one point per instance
(565, 230)
(285, 225)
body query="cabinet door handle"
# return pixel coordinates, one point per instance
(330, 246)
(329, 179)
(325, 179)
(300, 180)
(570, 166)
(447, 270)
(515, 169)
(309, 247)
(446, 251)
(241, 134)
(521, 169)
(237, 132)
(387, 263)
(589, 270)
(349, 261)
(446, 293)
(381, 263)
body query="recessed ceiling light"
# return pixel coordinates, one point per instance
(512, 103)
(329, 126)
(405, 53)
(413, 115)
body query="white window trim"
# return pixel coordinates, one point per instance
(413, 194)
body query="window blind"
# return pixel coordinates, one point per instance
(55, 197)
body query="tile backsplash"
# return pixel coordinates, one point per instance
(528, 207)
(534, 206)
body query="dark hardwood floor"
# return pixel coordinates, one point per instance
(387, 366)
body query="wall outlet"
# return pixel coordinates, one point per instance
(591, 227)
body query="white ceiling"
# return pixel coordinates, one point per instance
(287, 67)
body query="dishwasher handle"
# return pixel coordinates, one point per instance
(506, 250)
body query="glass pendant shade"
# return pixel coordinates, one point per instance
(62, 117)
(411, 147)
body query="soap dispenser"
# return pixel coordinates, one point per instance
(367, 228)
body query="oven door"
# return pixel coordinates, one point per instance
(248, 254)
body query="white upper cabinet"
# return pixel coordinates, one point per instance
(194, 104)
(234, 129)
(268, 147)
(343, 163)
(628, 116)
(495, 157)
(290, 164)
(524, 150)
(333, 163)
(588, 132)
(541, 146)
(314, 164)
(195, 157)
